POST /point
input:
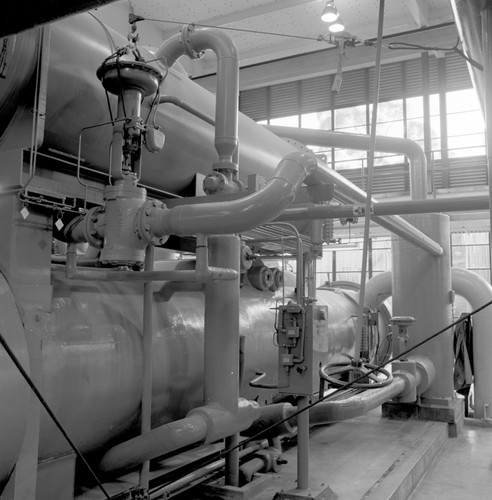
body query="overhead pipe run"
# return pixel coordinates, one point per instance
(384, 208)
(347, 192)
(397, 145)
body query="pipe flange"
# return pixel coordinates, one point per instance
(143, 227)
(186, 32)
(91, 221)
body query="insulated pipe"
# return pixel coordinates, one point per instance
(478, 292)
(336, 411)
(205, 424)
(378, 289)
(398, 145)
(191, 42)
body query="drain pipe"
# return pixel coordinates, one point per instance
(192, 41)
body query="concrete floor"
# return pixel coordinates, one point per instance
(370, 458)
(463, 470)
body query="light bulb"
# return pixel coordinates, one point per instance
(337, 26)
(330, 13)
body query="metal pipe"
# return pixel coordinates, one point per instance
(164, 439)
(345, 190)
(203, 272)
(335, 411)
(191, 42)
(171, 99)
(404, 207)
(398, 145)
(205, 424)
(147, 342)
(221, 348)
(477, 292)
(192, 477)
(236, 216)
(299, 259)
(303, 444)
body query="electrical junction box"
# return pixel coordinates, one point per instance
(302, 339)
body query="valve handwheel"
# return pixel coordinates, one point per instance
(341, 373)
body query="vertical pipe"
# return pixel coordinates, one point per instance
(487, 97)
(222, 335)
(145, 422)
(421, 289)
(303, 443)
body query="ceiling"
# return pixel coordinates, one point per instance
(273, 30)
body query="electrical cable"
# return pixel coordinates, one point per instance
(35, 390)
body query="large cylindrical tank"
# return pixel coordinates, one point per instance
(92, 357)
(76, 99)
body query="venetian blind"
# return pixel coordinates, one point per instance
(398, 79)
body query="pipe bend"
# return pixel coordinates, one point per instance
(243, 214)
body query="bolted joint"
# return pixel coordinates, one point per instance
(187, 42)
(87, 228)
(143, 223)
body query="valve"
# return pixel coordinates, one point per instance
(341, 373)
(402, 323)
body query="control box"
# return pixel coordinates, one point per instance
(302, 340)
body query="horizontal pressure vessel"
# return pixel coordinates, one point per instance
(92, 358)
(75, 99)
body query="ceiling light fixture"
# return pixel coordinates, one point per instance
(337, 26)
(330, 12)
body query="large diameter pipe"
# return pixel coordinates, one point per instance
(205, 424)
(191, 42)
(397, 145)
(243, 214)
(478, 292)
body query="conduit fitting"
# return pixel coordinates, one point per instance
(201, 425)
(236, 216)
(192, 42)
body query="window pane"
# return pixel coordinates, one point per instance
(351, 117)
(318, 121)
(286, 121)
(415, 107)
